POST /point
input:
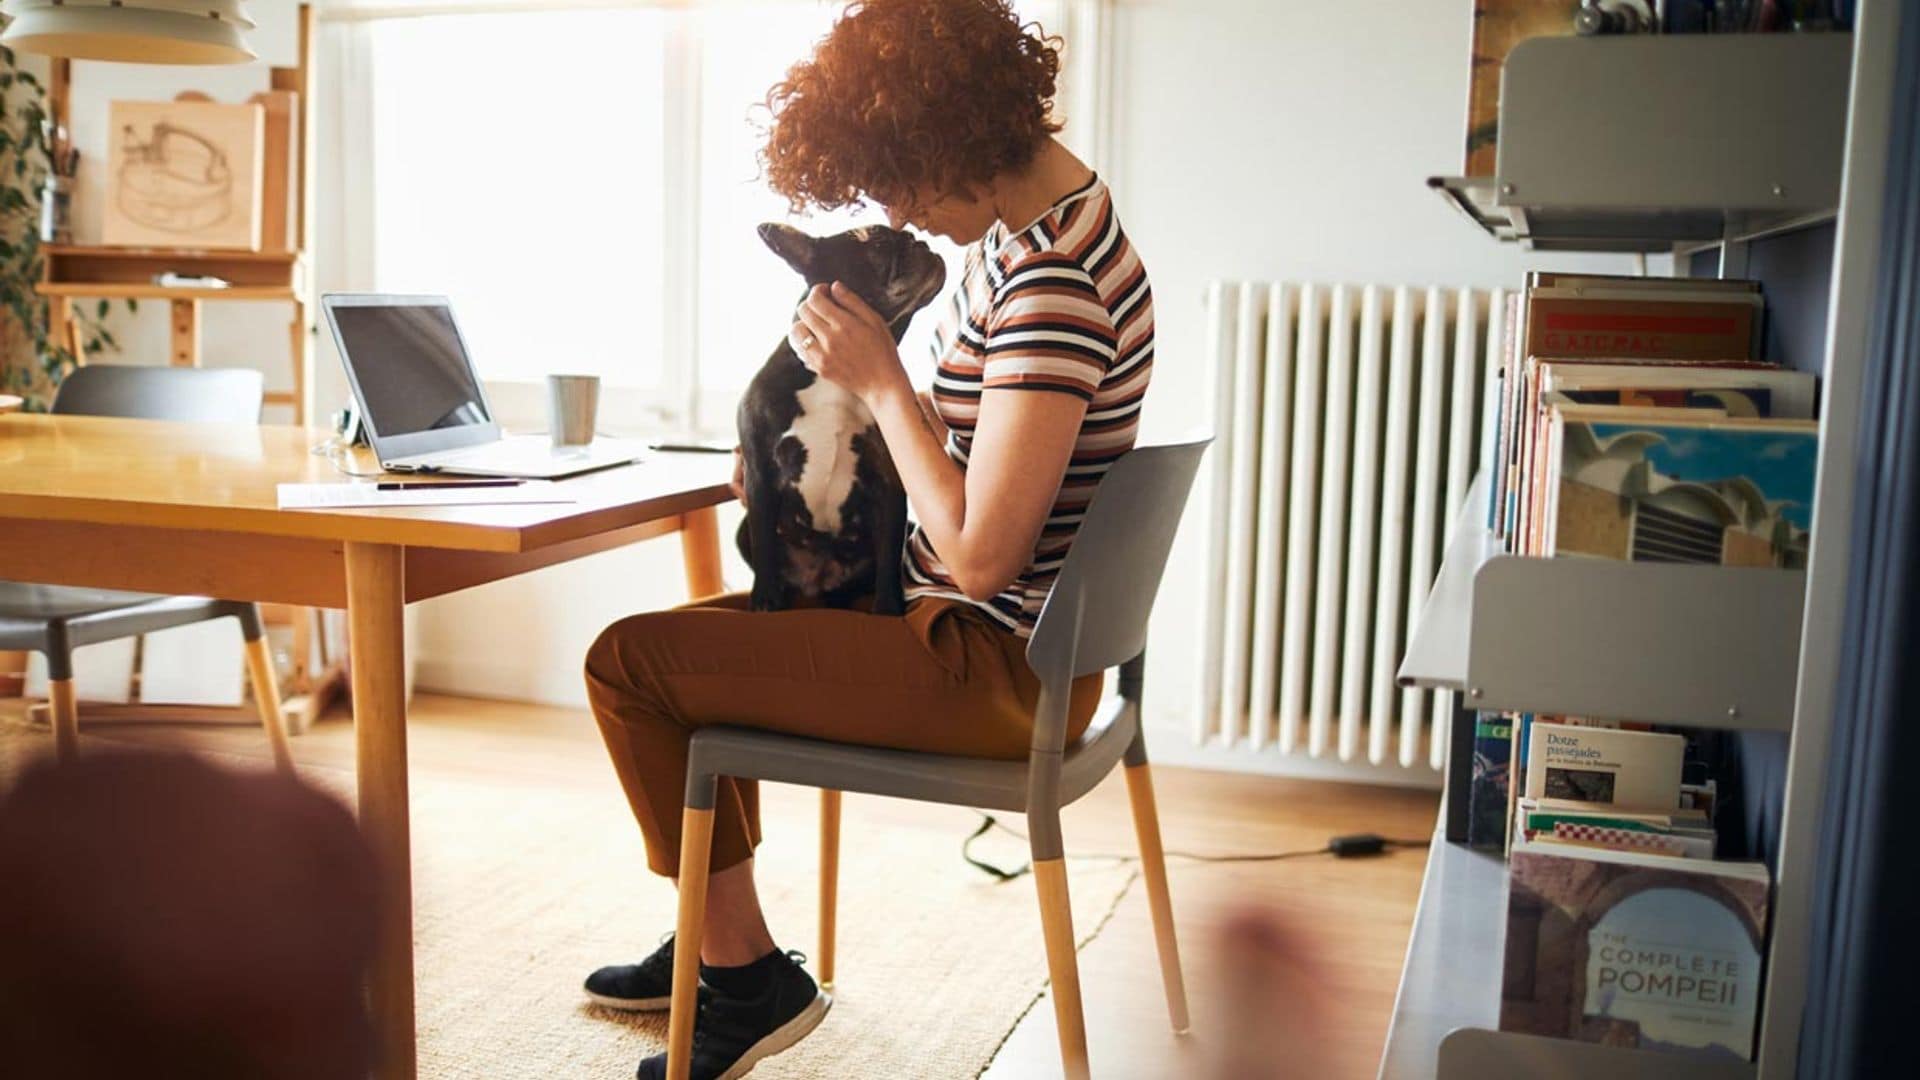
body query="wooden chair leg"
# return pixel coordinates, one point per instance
(1063, 965)
(696, 849)
(829, 880)
(266, 697)
(66, 718)
(1153, 867)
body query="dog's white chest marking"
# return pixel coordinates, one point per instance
(829, 419)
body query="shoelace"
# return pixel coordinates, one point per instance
(655, 959)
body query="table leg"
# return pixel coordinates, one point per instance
(700, 551)
(375, 591)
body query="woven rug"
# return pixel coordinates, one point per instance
(521, 889)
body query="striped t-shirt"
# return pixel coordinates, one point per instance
(1062, 306)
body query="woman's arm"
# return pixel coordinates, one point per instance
(984, 520)
(938, 425)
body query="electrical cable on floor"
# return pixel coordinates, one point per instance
(1340, 846)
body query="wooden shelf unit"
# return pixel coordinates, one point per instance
(73, 272)
(77, 272)
(135, 291)
(69, 269)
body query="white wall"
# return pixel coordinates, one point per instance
(1280, 139)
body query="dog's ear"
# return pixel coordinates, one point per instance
(796, 247)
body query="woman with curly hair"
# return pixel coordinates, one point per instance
(940, 112)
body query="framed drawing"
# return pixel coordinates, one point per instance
(184, 174)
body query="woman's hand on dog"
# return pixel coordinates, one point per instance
(841, 339)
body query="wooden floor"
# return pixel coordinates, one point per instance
(1291, 965)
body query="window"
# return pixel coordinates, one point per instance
(583, 183)
(518, 168)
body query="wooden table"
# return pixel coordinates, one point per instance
(190, 509)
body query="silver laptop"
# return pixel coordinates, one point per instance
(422, 404)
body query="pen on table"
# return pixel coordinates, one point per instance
(411, 485)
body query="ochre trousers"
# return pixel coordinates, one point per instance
(943, 678)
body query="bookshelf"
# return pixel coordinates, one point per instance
(1704, 148)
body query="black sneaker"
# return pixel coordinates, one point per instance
(731, 1035)
(643, 987)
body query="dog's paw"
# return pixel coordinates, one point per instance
(766, 597)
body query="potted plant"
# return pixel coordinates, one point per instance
(33, 358)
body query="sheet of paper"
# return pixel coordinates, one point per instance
(335, 496)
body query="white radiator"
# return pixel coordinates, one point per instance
(1348, 421)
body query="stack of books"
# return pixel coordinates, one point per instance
(1602, 785)
(1622, 927)
(1635, 423)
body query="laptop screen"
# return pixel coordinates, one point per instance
(412, 370)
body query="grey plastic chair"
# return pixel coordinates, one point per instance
(57, 619)
(1095, 618)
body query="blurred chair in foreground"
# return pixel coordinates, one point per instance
(162, 917)
(1276, 1023)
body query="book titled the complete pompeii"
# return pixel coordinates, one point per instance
(1634, 950)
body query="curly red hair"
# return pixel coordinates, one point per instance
(911, 98)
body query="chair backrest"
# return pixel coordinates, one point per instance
(1096, 615)
(200, 395)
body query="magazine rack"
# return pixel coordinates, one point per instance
(1448, 1008)
(1722, 144)
(1702, 646)
(1682, 141)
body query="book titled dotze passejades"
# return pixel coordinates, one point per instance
(1605, 765)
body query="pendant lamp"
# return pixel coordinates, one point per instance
(131, 31)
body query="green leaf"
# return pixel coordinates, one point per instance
(133, 305)
(104, 306)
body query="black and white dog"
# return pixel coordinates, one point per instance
(826, 515)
